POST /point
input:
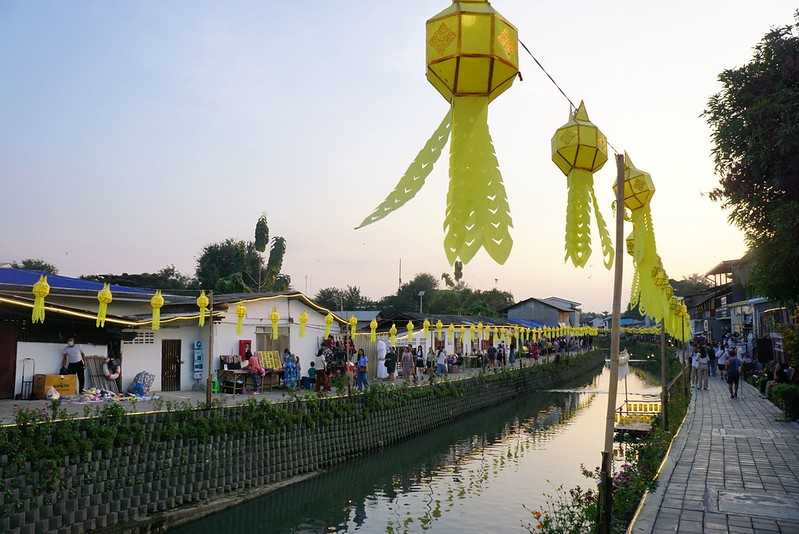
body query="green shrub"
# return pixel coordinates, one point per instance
(786, 396)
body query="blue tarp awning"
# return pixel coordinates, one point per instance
(529, 323)
(21, 277)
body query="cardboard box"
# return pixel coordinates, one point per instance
(66, 385)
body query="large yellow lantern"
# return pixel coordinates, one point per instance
(472, 57)
(303, 322)
(241, 313)
(580, 149)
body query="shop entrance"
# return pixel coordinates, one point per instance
(8, 361)
(170, 365)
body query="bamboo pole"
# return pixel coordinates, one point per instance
(606, 489)
(210, 359)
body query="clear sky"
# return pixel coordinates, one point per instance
(133, 133)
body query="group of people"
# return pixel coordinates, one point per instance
(707, 358)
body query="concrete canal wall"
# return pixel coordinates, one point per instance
(156, 483)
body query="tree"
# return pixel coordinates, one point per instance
(330, 298)
(33, 264)
(233, 266)
(756, 151)
(447, 278)
(221, 260)
(167, 278)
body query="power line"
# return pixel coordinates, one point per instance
(558, 87)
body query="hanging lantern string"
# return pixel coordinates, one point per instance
(569, 100)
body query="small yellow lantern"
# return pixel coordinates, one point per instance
(480, 329)
(439, 329)
(373, 330)
(425, 328)
(202, 304)
(328, 323)
(156, 303)
(451, 333)
(104, 298)
(40, 291)
(353, 326)
(409, 328)
(303, 322)
(241, 313)
(579, 149)
(274, 317)
(392, 334)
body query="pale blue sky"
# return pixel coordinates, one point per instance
(133, 133)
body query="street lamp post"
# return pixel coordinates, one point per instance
(421, 295)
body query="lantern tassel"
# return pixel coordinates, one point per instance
(478, 214)
(416, 174)
(578, 217)
(608, 253)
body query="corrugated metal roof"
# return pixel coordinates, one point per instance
(24, 278)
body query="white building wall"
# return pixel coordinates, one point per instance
(47, 358)
(147, 357)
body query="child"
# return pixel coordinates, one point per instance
(312, 376)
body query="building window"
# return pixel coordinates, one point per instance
(142, 338)
(264, 341)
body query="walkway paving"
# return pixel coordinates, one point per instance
(732, 469)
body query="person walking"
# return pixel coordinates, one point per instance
(712, 362)
(721, 359)
(733, 373)
(73, 361)
(704, 368)
(695, 366)
(407, 362)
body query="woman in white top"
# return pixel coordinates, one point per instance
(694, 367)
(703, 363)
(721, 358)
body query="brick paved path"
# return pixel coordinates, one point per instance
(733, 468)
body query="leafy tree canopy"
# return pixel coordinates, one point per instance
(167, 278)
(755, 131)
(33, 264)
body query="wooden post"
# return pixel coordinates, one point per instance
(606, 488)
(664, 379)
(684, 361)
(210, 358)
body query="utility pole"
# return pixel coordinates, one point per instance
(664, 378)
(210, 350)
(606, 482)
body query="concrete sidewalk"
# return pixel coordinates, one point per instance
(733, 468)
(9, 408)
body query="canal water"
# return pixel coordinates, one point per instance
(475, 475)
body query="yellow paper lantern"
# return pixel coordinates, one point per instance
(40, 291)
(303, 322)
(328, 323)
(373, 331)
(353, 325)
(202, 304)
(104, 298)
(392, 334)
(439, 329)
(274, 317)
(651, 290)
(463, 332)
(156, 303)
(472, 57)
(409, 328)
(480, 329)
(451, 333)
(425, 328)
(241, 313)
(580, 149)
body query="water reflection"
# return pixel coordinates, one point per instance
(471, 476)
